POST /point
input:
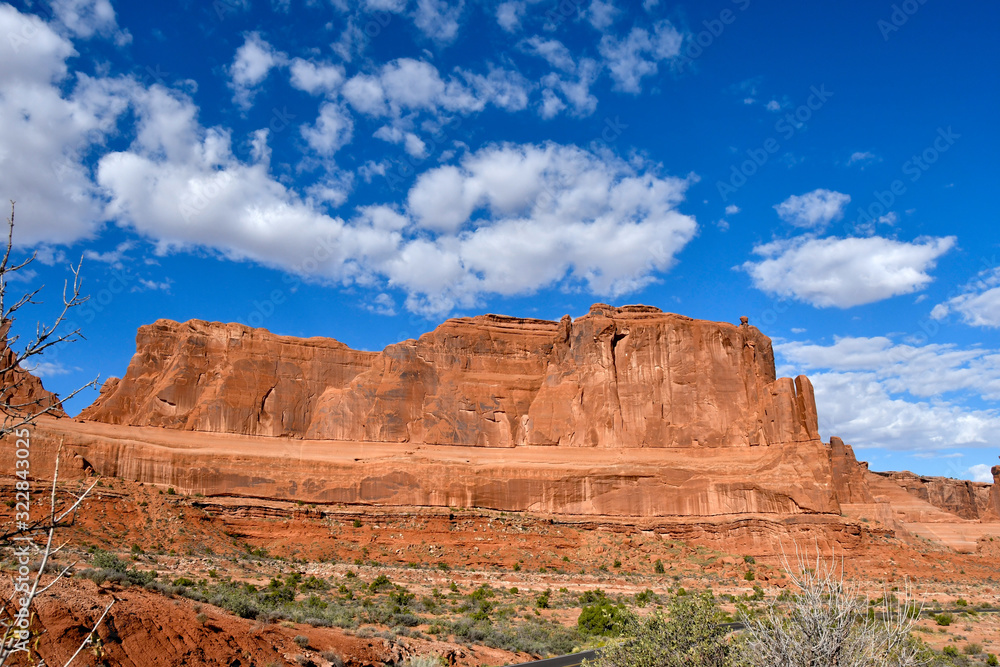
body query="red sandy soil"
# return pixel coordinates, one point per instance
(188, 536)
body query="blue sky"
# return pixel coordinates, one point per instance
(364, 170)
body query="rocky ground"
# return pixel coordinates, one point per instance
(475, 587)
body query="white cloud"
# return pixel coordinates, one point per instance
(382, 304)
(331, 131)
(845, 272)
(574, 90)
(814, 210)
(981, 472)
(773, 105)
(552, 50)
(921, 370)
(407, 85)
(601, 14)
(48, 125)
(252, 63)
(877, 393)
(978, 305)
(113, 257)
(392, 6)
(87, 18)
(857, 407)
(635, 57)
(506, 220)
(316, 78)
(861, 157)
(509, 15)
(47, 369)
(438, 19)
(732, 209)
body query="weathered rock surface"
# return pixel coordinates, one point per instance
(625, 414)
(614, 378)
(963, 498)
(23, 393)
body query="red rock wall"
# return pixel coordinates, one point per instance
(965, 499)
(23, 393)
(616, 377)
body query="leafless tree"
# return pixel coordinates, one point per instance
(829, 623)
(21, 403)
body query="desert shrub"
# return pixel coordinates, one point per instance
(202, 618)
(333, 658)
(379, 582)
(972, 648)
(603, 619)
(104, 560)
(688, 634)
(950, 651)
(825, 623)
(944, 619)
(645, 597)
(301, 640)
(991, 660)
(658, 567)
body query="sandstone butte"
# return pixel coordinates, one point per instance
(625, 415)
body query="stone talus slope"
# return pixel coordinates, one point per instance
(614, 378)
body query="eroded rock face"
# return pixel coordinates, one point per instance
(965, 499)
(850, 484)
(23, 392)
(616, 378)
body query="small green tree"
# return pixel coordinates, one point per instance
(689, 634)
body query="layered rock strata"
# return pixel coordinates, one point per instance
(614, 378)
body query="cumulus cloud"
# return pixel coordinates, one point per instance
(845, 272)
(406, 85)
(553, 51)
(253, 61)
(48, 125)
(925, 371)
(601, 14)
(634, 57)
(981, 472)
(87, 18)
(509, 15)
(507, 219)
(316, 78)
(438, 19)
(331, 131)
(813, 210)
(874, 392)
(978, 304)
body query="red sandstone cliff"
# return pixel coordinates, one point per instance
(616, 377)
(23, 393)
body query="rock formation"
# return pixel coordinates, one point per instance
(614, 378)
(965, 499)
(623, 415)
(23, 393)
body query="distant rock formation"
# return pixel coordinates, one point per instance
(614, 378)
(624, 415)
(23, 392)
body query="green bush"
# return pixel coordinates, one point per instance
(944, 619)
(108, 561)
(689, 634)
(991, 660)
(603, 619)
(972, 648)
(658, 567)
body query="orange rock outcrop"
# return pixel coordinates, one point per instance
(614, 378)
(624, 414)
